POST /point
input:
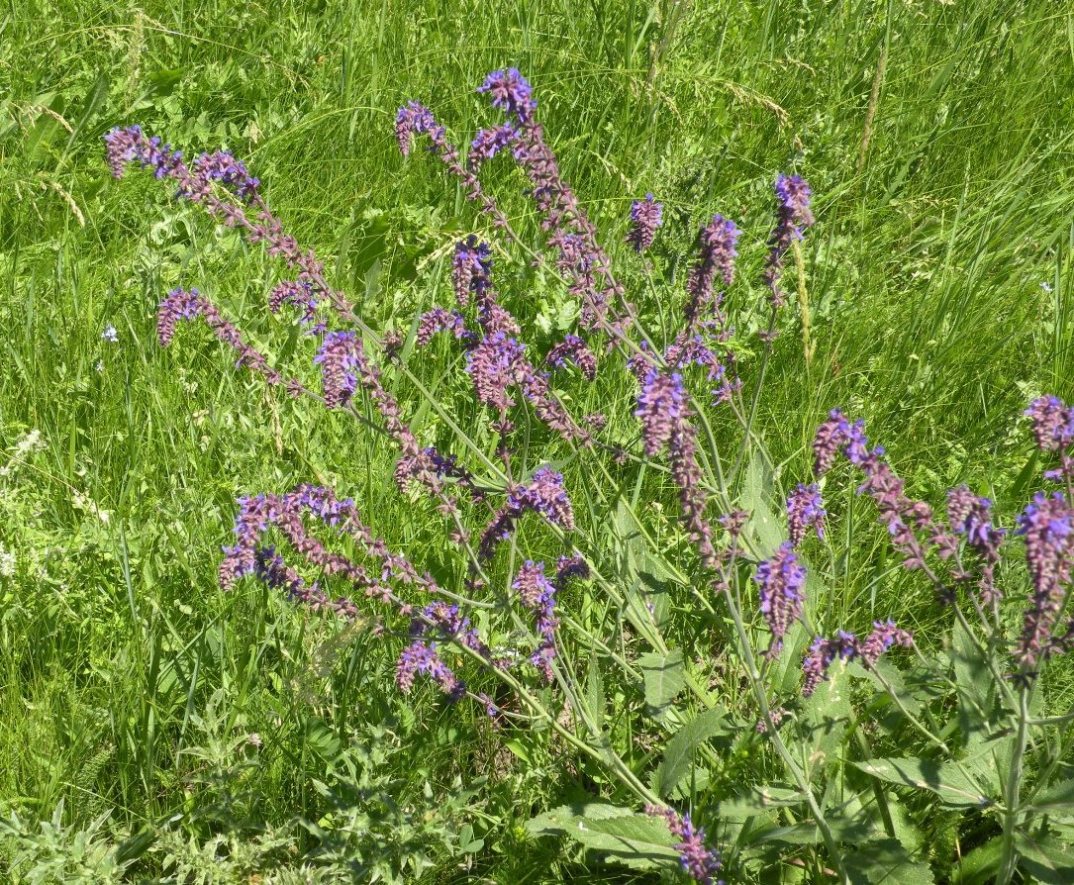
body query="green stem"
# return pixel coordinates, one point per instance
(1012, 793)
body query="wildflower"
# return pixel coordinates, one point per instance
(538, 594)
(339, 359)
(298, 293)
(699, 862)
(440, 320)
(793, 215)
(110, 334)
(970, 516)
(489, 142)
(422, 657)
(717, 243)
(573, 349)
(8, 563)
(471, 269)
(510, 92)
(781, 580)
(804, 511)
(846, 646)
(661, 408)
(544, 494)
(646, 216)
(1048, 527)
(413, 119)
(1053, 423)
(181, 304)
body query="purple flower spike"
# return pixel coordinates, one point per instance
(340, 361)
(510, 92)
(422, 657)
(538, 594)
(544, 494)
(793, 215)
(1048, 527)
(414, 119)
(971, 517)
(885, 635)
(1053, 423)
(297, 293)
(488, 143)
(717, 243)
(573, 349)
(181, 304)
(645, 217)
(661, 408)
(848, 647)
(471, 270)
(782, 587)
(698, 861)
(805, 510)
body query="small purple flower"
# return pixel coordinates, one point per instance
(538, 594)
(717, 243)
(782, 589)
(181, 304)
(646, 216)
(661, 408)
(543, 494)
(441, 320)
(471, 269)
(510, 92)
(298, 293)
(698, 861)
(421, 657)
(805, 510)
(793, 215)
(413, 119)
(846, 646)
(340, 361)
(885, 635)
(489, 142)
(1048, 527)
(1053, 423)
(493, 366)
(970, 516)
(573, 349)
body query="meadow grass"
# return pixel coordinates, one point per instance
(227, 734)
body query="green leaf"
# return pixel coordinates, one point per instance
(945, 779)
(1045, 858)
(825, 715)
(665, 677)
(886, 861)
(980, 865)
(975, 687)
(634, 840)
(1057, 799)
(764, 533)
(679, 752)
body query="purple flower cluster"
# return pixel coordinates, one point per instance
(699, 862)
(718, 247)
(544, 494)
(340, 359)
(415, 119)
(661, 409)
(971, 517)
(781, 580)
(805, 510)
(510, 92)
(422, 657)
(471, 270)
(538, 594)
(646, 216)
(1048, 528)
(904, 517)
(488, 143)
(574, 350)
(298, 293)
(848, 647)
(793, 215)
(188, 304)
(441, 320)
(1053, 429)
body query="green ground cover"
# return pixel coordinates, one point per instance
(147, 717)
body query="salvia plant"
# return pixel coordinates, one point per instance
(553, 585)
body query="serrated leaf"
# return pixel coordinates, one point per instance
(945, 779)
(679, 753)
(886, 862)
(665, 677)
(620, 835)
(974, 685)
(825, 715)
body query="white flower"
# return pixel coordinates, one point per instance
(1046, 286)
(7, 563)
(110, 334)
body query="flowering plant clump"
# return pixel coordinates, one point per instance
(716, 625)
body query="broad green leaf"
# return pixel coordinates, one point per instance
(665, 677)
(763, 532)
(886, 862)
(1045, 858)
(680, 750)
(980, 865)
(825, 716)
(945, 779)
(975, 688)
(619, 834)
(1056, 799)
